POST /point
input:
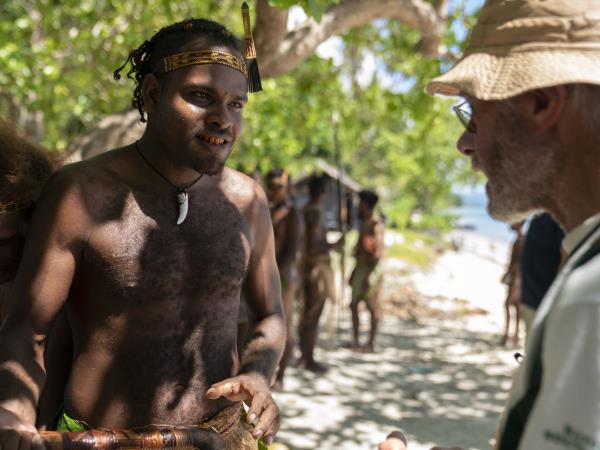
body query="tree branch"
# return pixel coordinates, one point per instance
(280, 53)
(113, 131)
(271, 27)
(441, 7)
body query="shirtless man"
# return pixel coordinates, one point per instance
(317, 272)
(287, 226)
(153, 304)
(364, 282)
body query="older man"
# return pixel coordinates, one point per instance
(530, 78)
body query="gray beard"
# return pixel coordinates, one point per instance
(522, 173)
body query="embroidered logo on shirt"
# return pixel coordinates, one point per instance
(570, 438)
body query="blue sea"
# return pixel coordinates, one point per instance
(474, 216)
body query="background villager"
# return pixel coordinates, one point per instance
(365, 279)
(287, 227)
(512, 280)
(318, 276)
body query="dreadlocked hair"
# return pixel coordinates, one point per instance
(168, 40)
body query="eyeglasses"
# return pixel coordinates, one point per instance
(464, 117)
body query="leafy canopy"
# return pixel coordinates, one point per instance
(58, 58)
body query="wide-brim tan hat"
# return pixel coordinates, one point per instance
(521, 45)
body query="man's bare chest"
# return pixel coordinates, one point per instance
(144, 251)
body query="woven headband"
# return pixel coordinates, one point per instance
(249, 69)
(197, 57)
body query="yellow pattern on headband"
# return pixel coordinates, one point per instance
(9, 207)
(180, 60)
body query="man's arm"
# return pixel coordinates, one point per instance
(42, 284)
(262, 291)
(378, 236)
(58, 356)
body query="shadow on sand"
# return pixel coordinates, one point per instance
(437, 381)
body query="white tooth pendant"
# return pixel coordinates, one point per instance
(182, 201)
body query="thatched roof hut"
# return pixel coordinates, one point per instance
(333, 180)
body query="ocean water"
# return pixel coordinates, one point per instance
(473, 215)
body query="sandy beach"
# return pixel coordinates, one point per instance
(438, 372)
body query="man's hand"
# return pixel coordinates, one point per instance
(254, 391)
(17, 435)
(397, 441)
(446, 448)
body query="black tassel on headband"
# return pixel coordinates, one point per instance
(254, 84)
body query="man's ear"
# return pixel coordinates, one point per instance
(544, 107)
(150, 92)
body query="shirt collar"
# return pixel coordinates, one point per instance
(578, 234)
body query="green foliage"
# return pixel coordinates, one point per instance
(289, 123)
(58, 58)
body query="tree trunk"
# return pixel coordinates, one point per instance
(113, 131)
(280, 50)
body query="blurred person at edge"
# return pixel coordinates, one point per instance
(287, 227)
(24, 170)
(540, 262)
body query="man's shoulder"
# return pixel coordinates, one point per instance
(237, 177)
(78, 186)
(110, 163)
(96, 168)
(241, 188)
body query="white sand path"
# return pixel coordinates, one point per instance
(442, 380)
